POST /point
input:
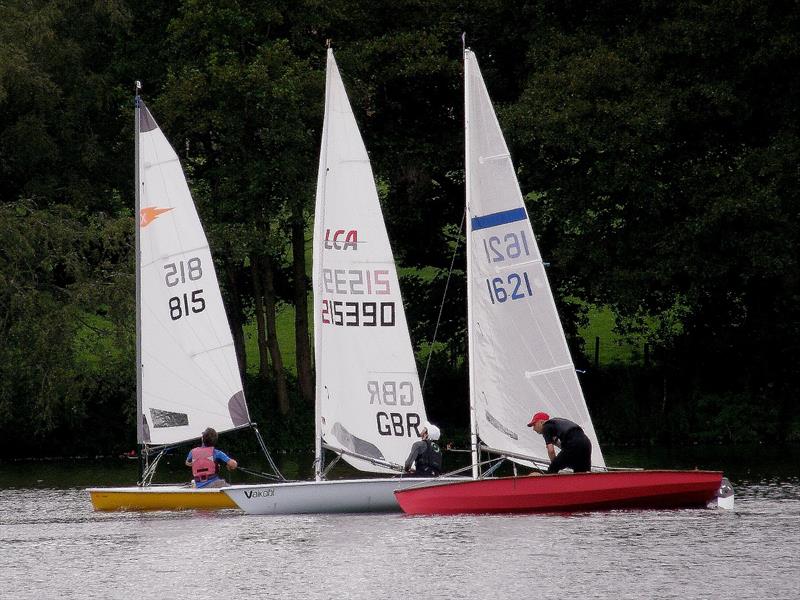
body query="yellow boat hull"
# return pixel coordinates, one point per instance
(159, 498)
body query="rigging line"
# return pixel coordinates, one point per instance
(266, 476)
(444, 297)
(266, 453)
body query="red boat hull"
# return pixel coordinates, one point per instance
(564, 493)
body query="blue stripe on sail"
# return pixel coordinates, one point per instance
(498, 218)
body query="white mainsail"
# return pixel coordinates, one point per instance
(368, 396)
(519, 359)
(189, 375)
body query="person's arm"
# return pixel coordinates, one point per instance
(412, 457)
(549, 437)
(220, 456)
(189, 459)
(551, 451)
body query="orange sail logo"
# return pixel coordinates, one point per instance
(150, 214)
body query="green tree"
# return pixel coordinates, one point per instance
(246, 107)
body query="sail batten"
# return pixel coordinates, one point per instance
(165, 257)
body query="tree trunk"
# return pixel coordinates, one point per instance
(258, 296)
(235, 313)
(281, 389)
(305, 377)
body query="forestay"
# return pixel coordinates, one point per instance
(519, 358)
(368, 394)
(189, 373)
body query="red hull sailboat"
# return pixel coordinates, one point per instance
(564, 493)
(519, 361)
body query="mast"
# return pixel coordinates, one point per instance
(473, 425)
(318, 449)
(137, 250)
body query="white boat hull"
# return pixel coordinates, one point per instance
(336, 496)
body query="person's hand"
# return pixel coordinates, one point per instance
(232, 464)
(535, 474)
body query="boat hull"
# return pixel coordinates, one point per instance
(159, 498)
(564, 493)
(334, 496)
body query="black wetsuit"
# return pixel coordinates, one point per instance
(576, 449)
(427, 457)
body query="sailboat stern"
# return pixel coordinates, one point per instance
(725, 496)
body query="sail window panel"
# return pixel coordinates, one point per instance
(165, 418)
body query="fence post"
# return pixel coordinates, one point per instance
(596, 351)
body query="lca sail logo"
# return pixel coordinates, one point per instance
(341, 239)
(150, 214)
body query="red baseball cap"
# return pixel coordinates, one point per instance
(540, 416)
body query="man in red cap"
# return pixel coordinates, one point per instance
(576, 449)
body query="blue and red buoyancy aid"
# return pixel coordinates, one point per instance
(203, 465)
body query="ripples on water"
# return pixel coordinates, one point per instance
(55, 546)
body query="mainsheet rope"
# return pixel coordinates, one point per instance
(444, 297)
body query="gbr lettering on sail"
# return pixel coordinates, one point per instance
(358, 295)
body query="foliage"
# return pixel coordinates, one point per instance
(65, 339)
(656, 146)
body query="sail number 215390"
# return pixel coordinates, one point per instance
(187, 303)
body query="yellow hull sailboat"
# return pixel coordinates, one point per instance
(158, 497)
(187, 373)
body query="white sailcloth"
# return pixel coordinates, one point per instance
(519, 359)
(189, 373)
(368, 394)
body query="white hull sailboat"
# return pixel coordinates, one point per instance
(328, 496)
(369, 407)
(519, 361)
(187, 375)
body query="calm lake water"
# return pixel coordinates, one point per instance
(53, 545)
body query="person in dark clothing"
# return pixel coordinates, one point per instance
(576, 449)
(426, 455)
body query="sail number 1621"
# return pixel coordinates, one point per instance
(514, 286)
(513, 245)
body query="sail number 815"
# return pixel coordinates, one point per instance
(182, 306)
(181, 272)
